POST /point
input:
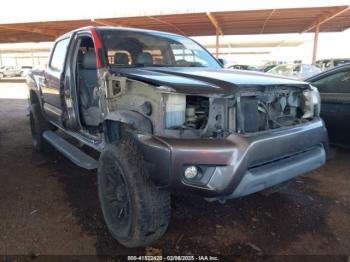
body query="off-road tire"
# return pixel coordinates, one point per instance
(136, 212)
(38, 125)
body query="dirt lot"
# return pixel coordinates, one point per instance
(50, 206)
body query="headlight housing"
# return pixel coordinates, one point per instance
(312, 102)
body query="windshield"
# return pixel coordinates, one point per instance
(132, 49)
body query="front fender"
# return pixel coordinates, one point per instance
(33, 85)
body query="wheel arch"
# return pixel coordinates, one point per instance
(34, 90)
(118, 122)
(33, 97)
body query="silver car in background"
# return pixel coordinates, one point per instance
(298, 71)
(326, 64)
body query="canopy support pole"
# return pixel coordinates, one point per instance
(218, 32)
(217, 44)
(314, 51)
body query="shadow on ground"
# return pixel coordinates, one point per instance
(312, 216)
(252, 225)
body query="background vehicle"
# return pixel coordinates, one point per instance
(10, 71)
(334, 87)
(326, 64)
(267, 68)
(244, 67)
(299, 71)
(25, 70)
(165, 116)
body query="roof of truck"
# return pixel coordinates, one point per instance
(119, 28)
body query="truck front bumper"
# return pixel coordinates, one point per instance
(238, 165)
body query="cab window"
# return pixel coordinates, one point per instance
(119, 57)
(59, 54)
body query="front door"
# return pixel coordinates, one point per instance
(51, 82)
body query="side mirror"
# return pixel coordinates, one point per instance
(222, 61)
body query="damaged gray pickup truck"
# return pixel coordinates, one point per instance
(164, 116)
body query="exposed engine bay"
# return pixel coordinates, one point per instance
(249, 110)
(246, 112)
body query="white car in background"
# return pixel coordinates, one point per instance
(299, 71)
(10, 71)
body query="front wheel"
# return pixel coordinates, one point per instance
(135, 210)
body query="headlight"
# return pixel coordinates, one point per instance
(312, 102)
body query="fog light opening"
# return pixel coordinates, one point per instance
(191, 172)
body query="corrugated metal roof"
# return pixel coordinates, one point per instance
(268, 21)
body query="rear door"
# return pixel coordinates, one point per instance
(335, 108)
(53, 79)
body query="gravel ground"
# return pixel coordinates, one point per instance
(48, 206)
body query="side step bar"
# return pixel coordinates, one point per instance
(74, 154)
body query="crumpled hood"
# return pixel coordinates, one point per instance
(192, 80)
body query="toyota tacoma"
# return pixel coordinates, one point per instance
(163, 116)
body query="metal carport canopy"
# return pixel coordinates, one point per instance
(269, 21)
(260, 21)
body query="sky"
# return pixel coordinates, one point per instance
(331, 45)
